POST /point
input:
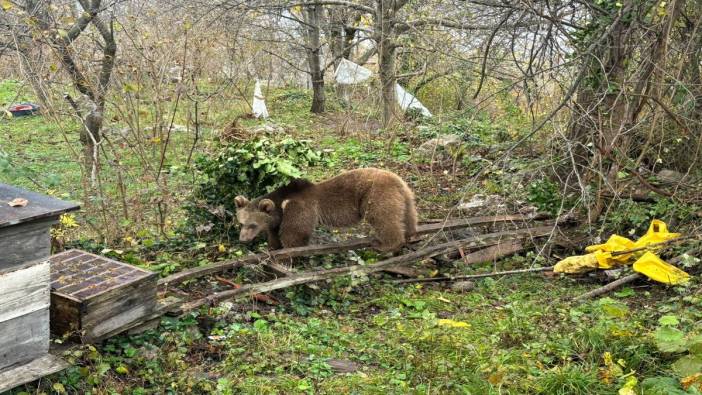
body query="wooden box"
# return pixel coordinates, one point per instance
(24, 313)
(24, 231)
(98, 297)
(25, 245)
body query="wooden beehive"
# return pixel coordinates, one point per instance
(25, 246)
(98, 297)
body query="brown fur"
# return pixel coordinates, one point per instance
(289, 214)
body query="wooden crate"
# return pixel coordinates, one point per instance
(98, 297)
(24, 231)
(24, 313)
(25, 245)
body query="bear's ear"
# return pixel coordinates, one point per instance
(241, 201)
(266, 205)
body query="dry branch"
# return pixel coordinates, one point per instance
(609, 287)
(330, 248)
(317, 275)
(472, 276)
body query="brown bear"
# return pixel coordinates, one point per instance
(290, 214)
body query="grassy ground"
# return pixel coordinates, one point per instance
(516, 335)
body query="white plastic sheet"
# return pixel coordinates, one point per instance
(407, 101)
(348, 73)
(259, 105)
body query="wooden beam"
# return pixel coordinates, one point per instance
(32, 371)
(317, 275)
(311, 250)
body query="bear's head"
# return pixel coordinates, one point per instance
(253, 216)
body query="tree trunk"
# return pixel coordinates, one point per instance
(386, 65)
(313, 47)
(385, 39)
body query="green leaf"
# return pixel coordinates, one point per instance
(668, 320)
(615, 310)
(661, 386)
(260, 325)
(58, 387)
(670, 339)
(122, 369)
(694, 344)
(287, 168)
(6, 5)
(687, 365)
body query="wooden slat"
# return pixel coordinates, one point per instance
(39, 206)
(317, 275)
(43, 366)
(143, 296)
(163, 306)
(24, 338)
(25, 242)
(24, 290)
(331, 248)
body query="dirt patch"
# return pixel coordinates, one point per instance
(347, 124)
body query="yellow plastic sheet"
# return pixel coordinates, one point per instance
(614, 243)
(577, 264)
(605, 256)
(657, 233)
(653, 267)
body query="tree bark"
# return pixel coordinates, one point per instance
(385, 39)
(313, 47)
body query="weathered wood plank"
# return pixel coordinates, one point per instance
(334, 247)
(25, 242)
(39, 206)
(24, 289)
(115, 322)
(165, 305)
(317, 275)
(34, 370)
(24, 338)
(145, 297)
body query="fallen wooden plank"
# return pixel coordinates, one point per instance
(330, 248)
(493, 253)
(34, 370)
(317, 275)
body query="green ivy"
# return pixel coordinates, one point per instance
(250, 168)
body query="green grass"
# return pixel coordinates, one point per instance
(522, 338)
(522, 334)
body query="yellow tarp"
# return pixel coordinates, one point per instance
(615, 243)
(657, 233)
(608, 255)
(653, 267)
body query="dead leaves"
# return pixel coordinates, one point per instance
(18, 202)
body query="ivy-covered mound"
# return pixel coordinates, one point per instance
(250, 168)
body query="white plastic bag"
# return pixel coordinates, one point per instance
(259, 105)
(407, 101)
(348, 73)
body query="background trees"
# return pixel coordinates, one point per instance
(614, 85)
